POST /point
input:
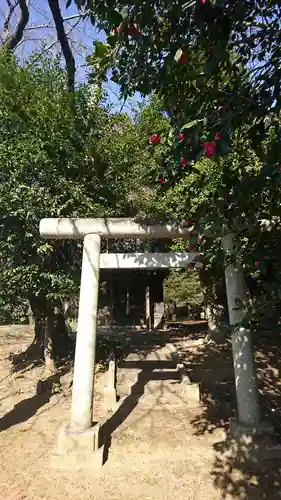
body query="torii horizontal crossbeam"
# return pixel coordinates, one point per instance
(108, 228)
(147, 260)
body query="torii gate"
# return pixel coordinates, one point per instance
(80, 435)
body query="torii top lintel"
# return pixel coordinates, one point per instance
(110, 228)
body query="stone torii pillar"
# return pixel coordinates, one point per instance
(83, 376)
(80, 437)
(248, 423)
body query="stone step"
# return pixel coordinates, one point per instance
(158, 354)
(162, 393)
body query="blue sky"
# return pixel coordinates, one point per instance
(81, 33)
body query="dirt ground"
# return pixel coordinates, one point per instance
(161, 448)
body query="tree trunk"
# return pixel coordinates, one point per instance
(31, 320)
(62, 343)
(48, 343)
(214, 306)
(38, 310)
(13, 39)
(50, 331)
(64, 43)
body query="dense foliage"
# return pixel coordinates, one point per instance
(61, 154)
(216, 66)
(185, 50)
(184, 288)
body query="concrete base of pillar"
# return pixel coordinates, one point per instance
(246, 434)
(76, 461)
(254, 443)
(76, 450)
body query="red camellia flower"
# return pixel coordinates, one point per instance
(217, 136)
(183, 59)
(161, 179)
(183, 162)
(191, 246)
(210, 149)
(133, 30)
(119, 28)
(181, 137)
(154, 139)
(257, 264)
(203, 1)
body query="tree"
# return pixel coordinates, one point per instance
(61, 154)
(18, 13)
(65, 47)
(182, 286)
(177, 49)
(230, 191)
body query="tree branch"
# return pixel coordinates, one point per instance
(53, 43)
(9, 15)
(14, 38)
(62, 38)
(49, 24)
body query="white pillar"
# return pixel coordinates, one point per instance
(148, 308)
(158, 316)
(243, 359)
(84, 365)
(128, 301)
(110, 396)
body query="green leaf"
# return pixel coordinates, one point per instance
(124, 13)
(101, 48)
(224, 147)
(193, 123)
(210, 65)
(239, 304)
(188, 5)
(245, 323)
(114, 17)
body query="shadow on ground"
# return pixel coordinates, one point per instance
(137, 390)
(27, 408)
(122, 344)
(211, 365)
